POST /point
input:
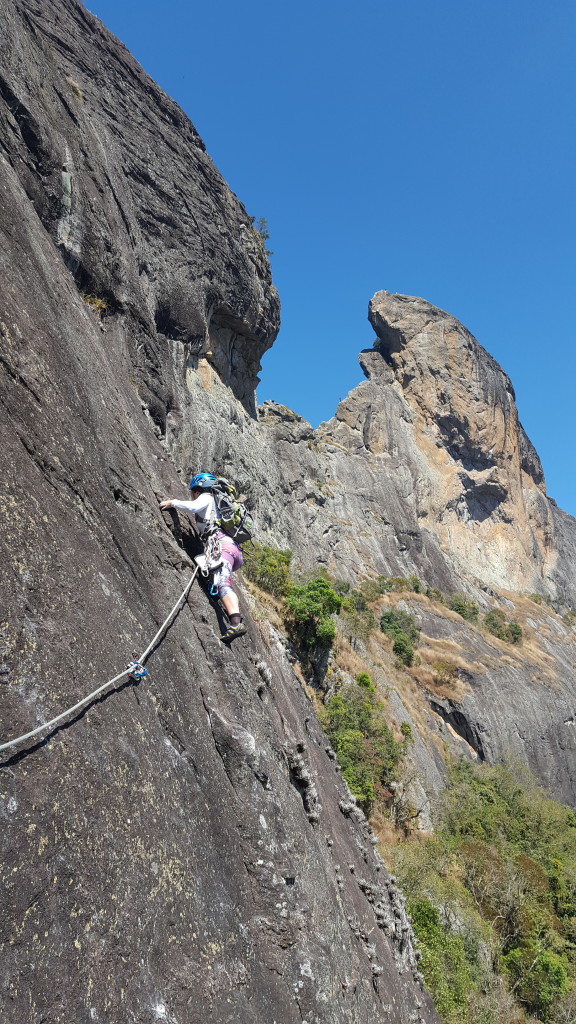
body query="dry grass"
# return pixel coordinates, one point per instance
(404, 681)
(346, 658)
(387, 834)
(447, 689)
(266, 607)
(439, 658)
(75, 87)
(529, 653)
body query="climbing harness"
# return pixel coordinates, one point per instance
(135, 670)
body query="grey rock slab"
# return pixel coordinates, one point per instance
(163, 854)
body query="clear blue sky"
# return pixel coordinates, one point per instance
(422, 146)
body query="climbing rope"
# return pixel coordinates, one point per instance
(135, 669)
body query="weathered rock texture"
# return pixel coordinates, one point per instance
(425, 469)
(121, 181)
(185, 850)
(481, 485)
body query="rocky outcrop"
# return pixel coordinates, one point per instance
(185, 848)
(481, 485)
(121, 181)
(424, 468)
(506, 703)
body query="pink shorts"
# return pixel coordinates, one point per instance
(231, 560)
(230, 551)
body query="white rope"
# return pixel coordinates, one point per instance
(126, 672)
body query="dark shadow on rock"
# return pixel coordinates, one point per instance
(457, 719)
(205, 584)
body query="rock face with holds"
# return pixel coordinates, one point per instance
(185, 848)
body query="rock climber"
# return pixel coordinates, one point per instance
(203, 512)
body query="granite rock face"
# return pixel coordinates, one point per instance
(184, 849)
(484, 486)
(121, 181)
(425, 469)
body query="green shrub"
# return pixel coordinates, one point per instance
(499, 874)
(353, 757)
(537, 598)
(367, 752)
(538, 977)
(514, 633)
(435, 595)
(496, 623)
(309, 607)
(325, 633)
(464, 607)
(444, 964)
(395, 621)
(363, 679)
(403, 649)
(268, 567)
(261, 230)
(402, 629)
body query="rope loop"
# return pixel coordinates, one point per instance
(135, 670)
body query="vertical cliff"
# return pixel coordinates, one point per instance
(484, 485)
(184, 849)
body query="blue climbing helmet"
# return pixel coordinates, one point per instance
(202, 482)
(232, 516)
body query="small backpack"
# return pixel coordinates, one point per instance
(233, 516)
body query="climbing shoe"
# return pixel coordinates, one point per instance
(232, 632)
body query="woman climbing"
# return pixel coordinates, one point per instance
(204, 513)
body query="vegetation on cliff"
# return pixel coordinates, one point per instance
(493, 899)
(368, 753)
(402, 628)
(492, 891)
(308, 606)
(268, 567)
